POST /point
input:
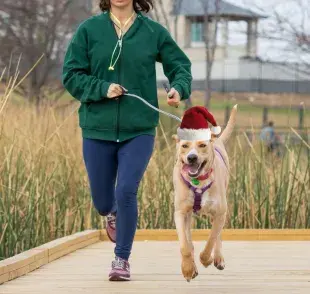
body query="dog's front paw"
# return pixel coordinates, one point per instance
(189, 269)
(196, 271)
(219, 262)
(206, 260)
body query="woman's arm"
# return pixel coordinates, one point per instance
(176, 65)
(76, 71)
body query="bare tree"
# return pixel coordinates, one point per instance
(32, 28)
(176, 7)
(161, 13)
(287, 32)
(212, 18)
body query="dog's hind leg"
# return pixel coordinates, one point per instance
(206, 255)
(188, 264)
(219, 262)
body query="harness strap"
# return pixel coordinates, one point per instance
(198, 192)
(220, 154)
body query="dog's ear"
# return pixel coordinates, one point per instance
(176, 138)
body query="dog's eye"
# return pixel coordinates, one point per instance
(202, 145)
(185, 146)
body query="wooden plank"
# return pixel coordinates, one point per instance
(28, 268)
(4, 278)
(251, 267)
(33, 259)
(227, 235)
(3, 268)
(23, 259)
(38, 263)
(63, 243)
(68, 249)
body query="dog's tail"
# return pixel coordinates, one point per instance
(230, 125)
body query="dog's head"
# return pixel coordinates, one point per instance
(194, 156)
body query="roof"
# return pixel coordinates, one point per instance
(196, 8)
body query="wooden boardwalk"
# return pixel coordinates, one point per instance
(251, 267)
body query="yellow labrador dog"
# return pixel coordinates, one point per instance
(201, 176)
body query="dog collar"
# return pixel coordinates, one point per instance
(205, 176)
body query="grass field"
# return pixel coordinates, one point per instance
(44, 192)
(283, 108)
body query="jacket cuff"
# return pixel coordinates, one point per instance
(104, 89)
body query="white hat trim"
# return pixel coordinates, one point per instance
(194, 135)
(216, 130)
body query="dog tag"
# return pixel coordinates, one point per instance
(195, 181)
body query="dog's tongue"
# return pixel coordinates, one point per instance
(191, 169)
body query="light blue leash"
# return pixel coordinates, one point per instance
(152, 106)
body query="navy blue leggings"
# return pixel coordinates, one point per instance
(125, 163)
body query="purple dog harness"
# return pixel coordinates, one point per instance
(198, 192)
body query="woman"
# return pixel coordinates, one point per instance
(111, 53)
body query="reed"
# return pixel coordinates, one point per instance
(44, 191)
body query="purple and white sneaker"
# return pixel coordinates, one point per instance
(111, 227)
(120, 270)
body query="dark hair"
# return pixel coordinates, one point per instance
(138, 5)
(270, 124)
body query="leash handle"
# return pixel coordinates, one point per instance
(124, 89)
(167, 88)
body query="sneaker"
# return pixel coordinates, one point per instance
(111, 227)
(120, 270)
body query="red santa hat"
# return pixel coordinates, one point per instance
(194, 126)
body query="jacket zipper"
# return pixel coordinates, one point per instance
(120, 83)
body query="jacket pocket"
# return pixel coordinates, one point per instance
(135, 115)
(101, 115)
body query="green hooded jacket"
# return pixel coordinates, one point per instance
(87, 77)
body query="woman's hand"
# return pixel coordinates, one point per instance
(173, 98)
(114, 91)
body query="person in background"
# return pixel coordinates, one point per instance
(268, 136)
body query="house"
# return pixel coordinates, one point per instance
(236, 67)
(187, 27)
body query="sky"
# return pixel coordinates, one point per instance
(268, 49)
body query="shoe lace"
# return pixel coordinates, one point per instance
(111, 219)
(119, 264)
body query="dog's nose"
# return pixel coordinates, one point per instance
(192, 158)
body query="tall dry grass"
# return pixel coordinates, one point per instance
(44, 192)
